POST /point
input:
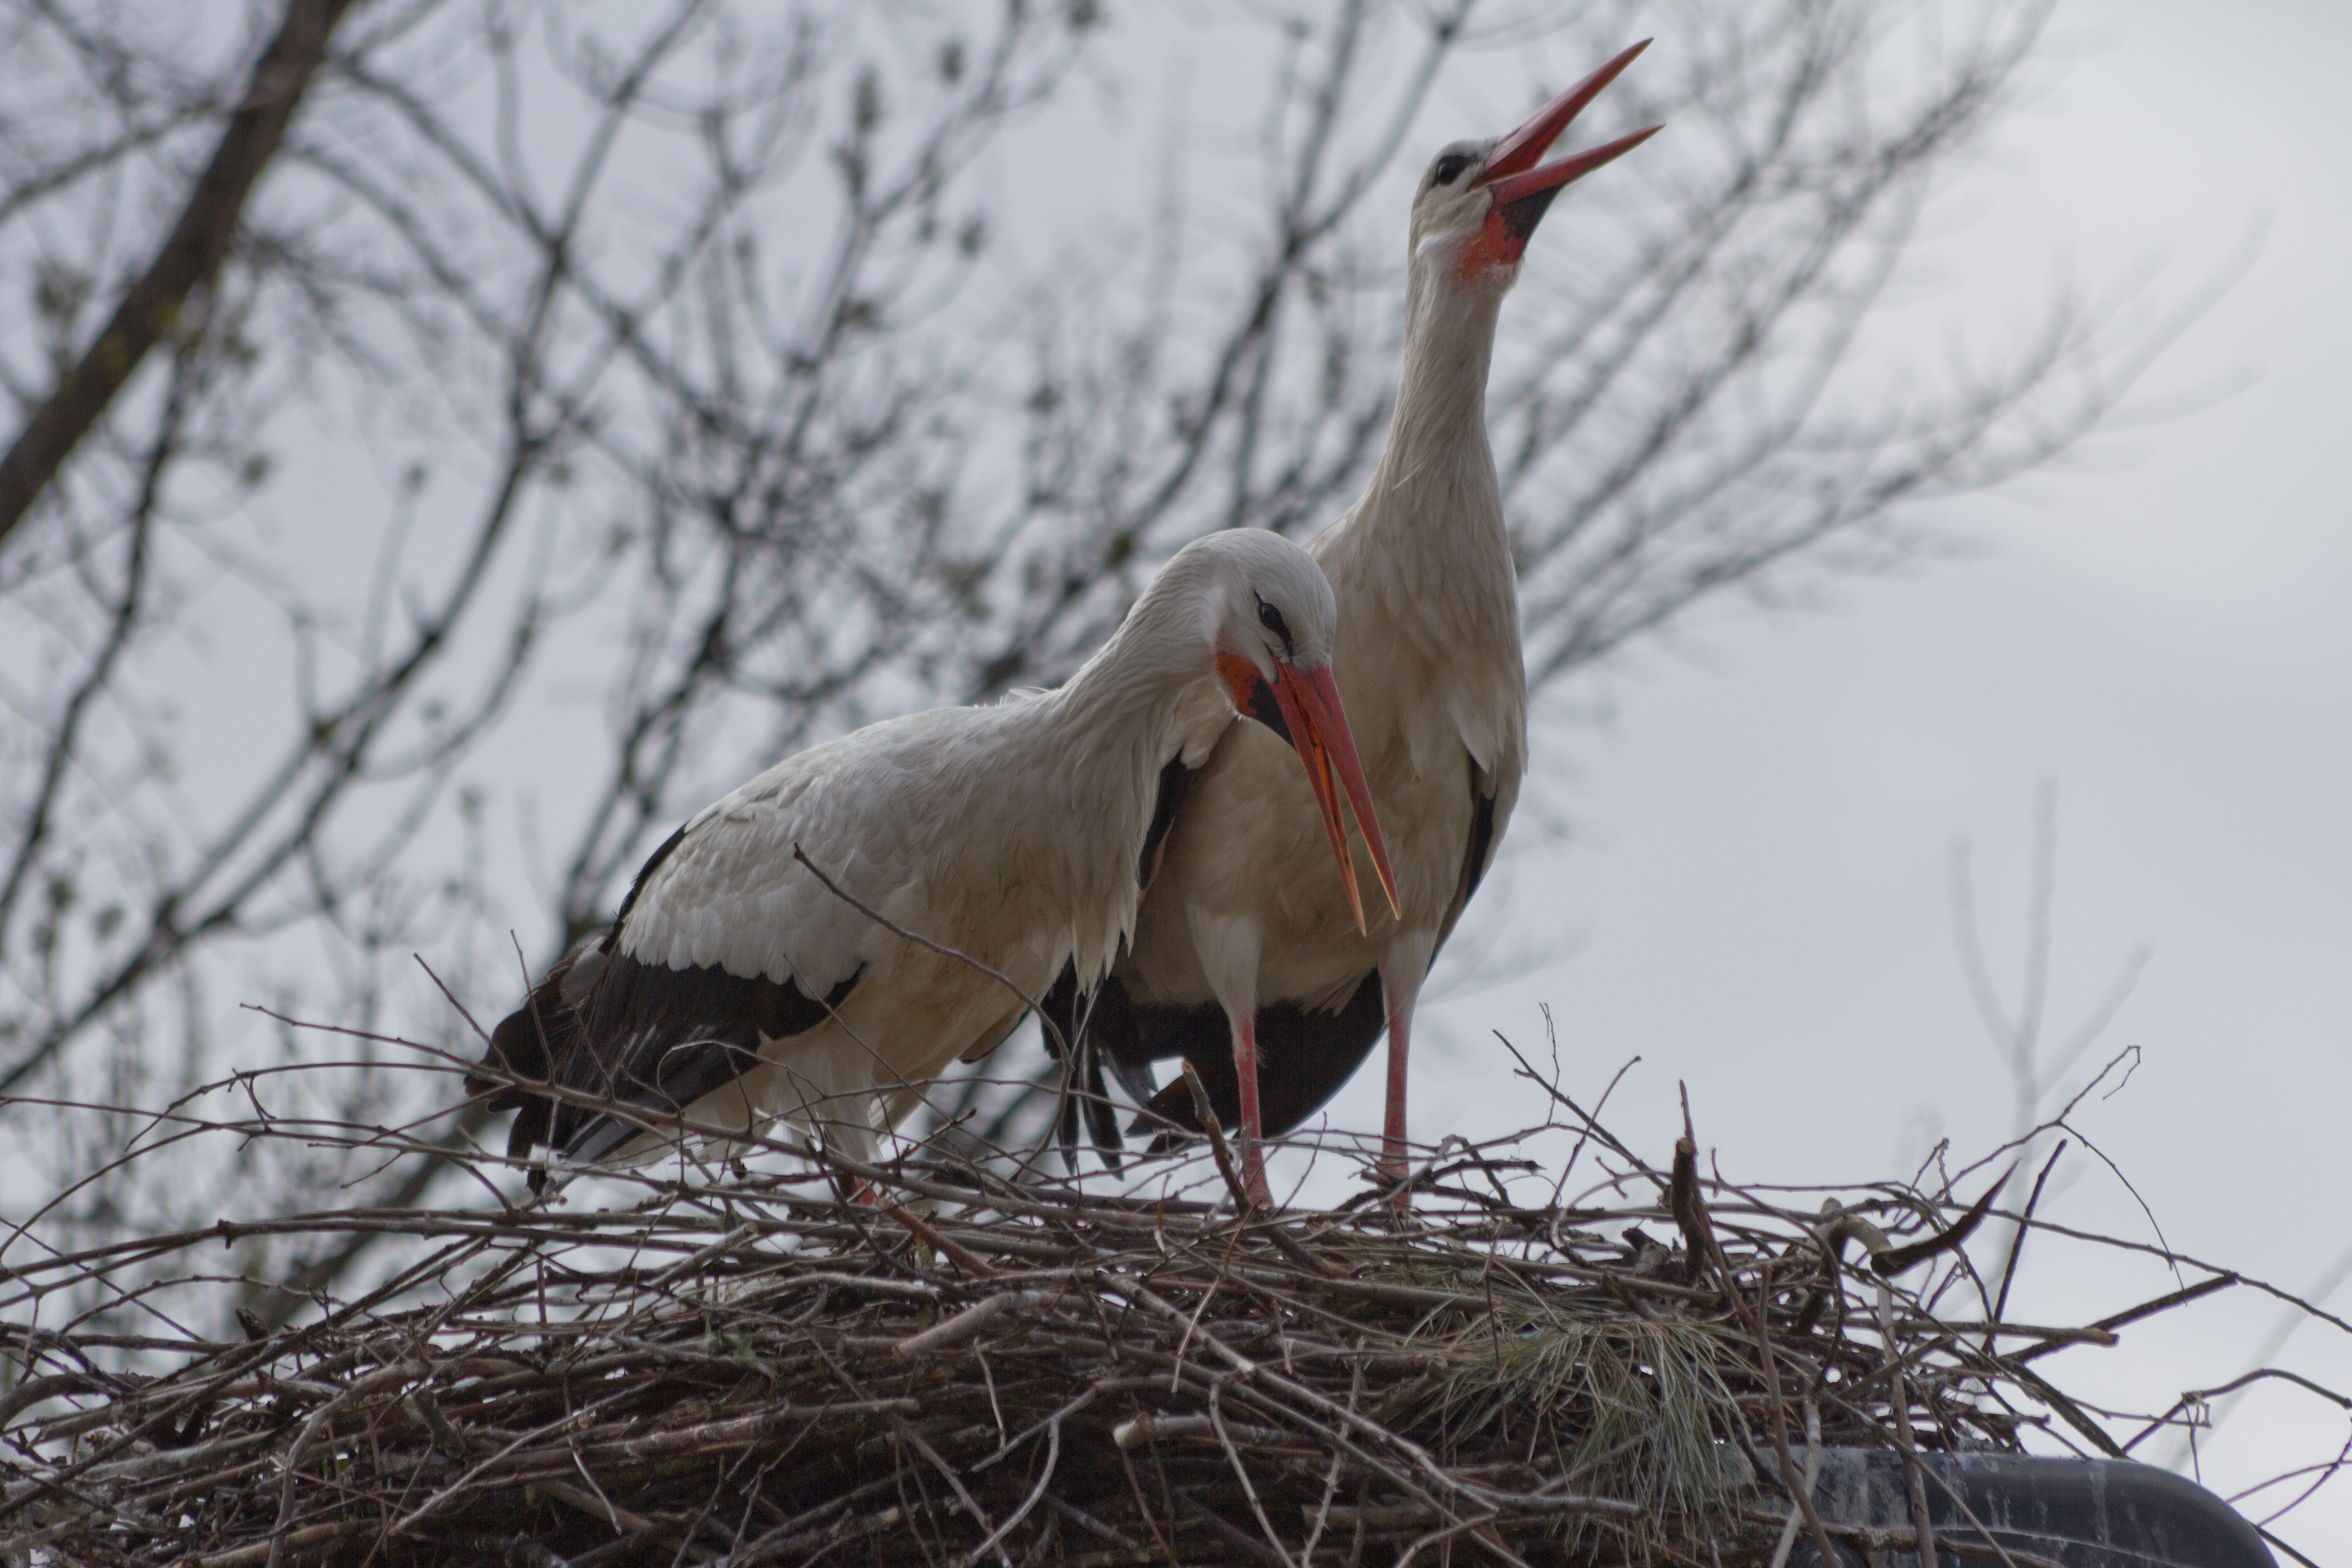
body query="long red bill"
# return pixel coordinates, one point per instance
(1515, 188)
(1516, 153)
(1522, 192)
(1310, 700)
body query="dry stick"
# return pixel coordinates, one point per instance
(527, 1551)
(969, 1322)
(1682, 1195)
(1597, 1507)
(1085, 1520)
(963, 1257)
(594, 1504)
(1232, 1457)
(1207, 1116)
(1143, 1508)
(1889, 1261)
(1474, 1527)
(297, 1539)
(2264, 1532)
(1152, 1302)
(1298, 1252)
(1804, 1499)
(1592, 1126)
(2017, 1240)
(1899, 1401)
(1330, 1490)
(320, 1420)
(2146, 1308)
(2072, 1412)
(914, 1440)
(1052, 1458)
(1216, 1525)
(1150, 1428)
(245, 1359)
(1686, 1149)
(1812, 1475)
(448, 1438)
(2192, 1396)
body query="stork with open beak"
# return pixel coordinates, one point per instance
(1242, 934)
(735, 986)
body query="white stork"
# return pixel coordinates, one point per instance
(734, 986)
(1242, 934)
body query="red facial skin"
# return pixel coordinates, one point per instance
(1520, 190)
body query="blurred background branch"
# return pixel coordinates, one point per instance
(593, 404)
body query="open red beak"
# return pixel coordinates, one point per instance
(1309, 704)
(1521, 190)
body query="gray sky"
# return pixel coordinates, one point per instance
(1753, 893)
(1756, 883)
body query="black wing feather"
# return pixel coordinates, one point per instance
(1175, 781)
(637, 885)
(660, 1038)
(1304, 1056)
(1474, 857)
(600, 1023)
(545, 1030)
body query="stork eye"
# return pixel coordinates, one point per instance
(1271, 619)
(1449, 168)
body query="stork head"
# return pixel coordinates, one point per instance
(1273, 623)
(1480, 200)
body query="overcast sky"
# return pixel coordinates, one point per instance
(1753, 891)
(1754, 895)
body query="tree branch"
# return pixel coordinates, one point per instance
(188, 261)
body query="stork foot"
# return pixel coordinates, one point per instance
(1254, 1184)
(1394, 1172)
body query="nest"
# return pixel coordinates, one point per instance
(753, 1369)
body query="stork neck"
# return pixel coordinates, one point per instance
(1106, 734)
(1440, 419)
(1120, 706)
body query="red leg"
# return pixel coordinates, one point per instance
(1245, 1027)
(1392, 1149)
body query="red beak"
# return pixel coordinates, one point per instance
(1309, 704)
(1522, 191)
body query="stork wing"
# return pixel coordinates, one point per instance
(1490, 814)
(724, 941)
(1100, 1018)
(1175, 782)
(658, 1039)
(529, 1040)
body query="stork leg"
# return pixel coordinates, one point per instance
(1229, 947)
(1245, 1025)
(1402, 969)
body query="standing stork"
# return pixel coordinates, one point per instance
(735, 986)
(1242, 935)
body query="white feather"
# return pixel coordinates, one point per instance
(1007, 832)
(1429, 666)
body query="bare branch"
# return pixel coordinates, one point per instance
(188, 260)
